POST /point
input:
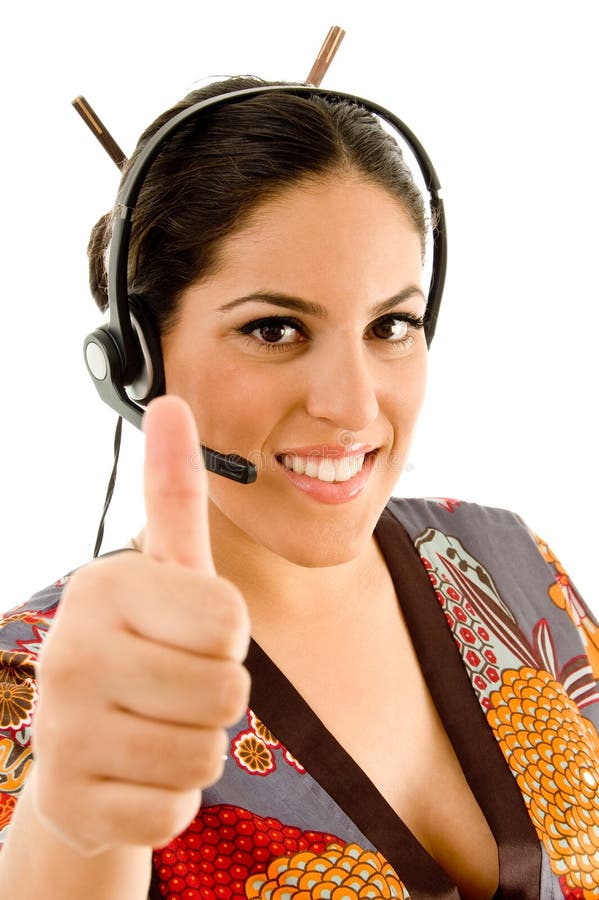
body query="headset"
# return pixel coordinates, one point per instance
(124, 356)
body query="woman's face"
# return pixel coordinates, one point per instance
(348, 376)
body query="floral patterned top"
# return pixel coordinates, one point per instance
(510, 653)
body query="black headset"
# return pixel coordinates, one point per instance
(124, 356)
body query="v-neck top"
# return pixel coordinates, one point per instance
(275, 701)
(510, 655)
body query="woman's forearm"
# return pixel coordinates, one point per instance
(34, 863)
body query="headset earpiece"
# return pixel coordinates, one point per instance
(105, 364)
(150, 381)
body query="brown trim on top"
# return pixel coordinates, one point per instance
(476, 747)
(278, 704)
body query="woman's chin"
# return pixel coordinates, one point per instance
(318, 548)
(313, 539)
(320, 560)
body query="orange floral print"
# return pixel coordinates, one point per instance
(254, 749)
(252, 754)
(339, 873)
(563, 594)
(261, 730)
(553, 752)
(14, 765)
(17, 692)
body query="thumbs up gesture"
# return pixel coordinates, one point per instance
(142, 669)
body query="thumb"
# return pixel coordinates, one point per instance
(175, 486)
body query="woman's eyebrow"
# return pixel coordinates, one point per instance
(316, 309)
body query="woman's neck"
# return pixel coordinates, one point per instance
(275, 588)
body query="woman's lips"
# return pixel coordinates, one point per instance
(333, 492)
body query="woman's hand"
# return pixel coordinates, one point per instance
(142, 670)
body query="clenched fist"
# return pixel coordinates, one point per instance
(142, 670)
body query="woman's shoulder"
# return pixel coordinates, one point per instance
(23, 626)
(492, 571)
(23, 629)
(491, 543)
(463, 514)
(497, 537)
(22, 632)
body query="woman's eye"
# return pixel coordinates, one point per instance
(397, 329)
(273, 333)
(392, 328)
(277, 331)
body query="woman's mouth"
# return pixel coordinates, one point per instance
(329, 480)
(325, 469)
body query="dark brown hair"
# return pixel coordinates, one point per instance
(217, 168)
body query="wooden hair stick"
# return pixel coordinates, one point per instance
(100, 131)
(325, 55)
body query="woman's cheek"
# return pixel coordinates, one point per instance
(238, 408)
(404, 402)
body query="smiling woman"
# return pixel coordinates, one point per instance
(423, 711)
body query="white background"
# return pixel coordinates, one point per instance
(504, 98)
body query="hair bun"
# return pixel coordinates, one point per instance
(99, 240)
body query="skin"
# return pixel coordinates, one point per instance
(346, 244)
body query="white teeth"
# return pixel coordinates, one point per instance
(326, 469)
(352, 465)
(312, 468)
(346, 468)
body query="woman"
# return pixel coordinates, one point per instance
(423, 708)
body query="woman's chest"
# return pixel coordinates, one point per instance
(369, 691)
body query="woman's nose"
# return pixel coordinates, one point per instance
(342, 386)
